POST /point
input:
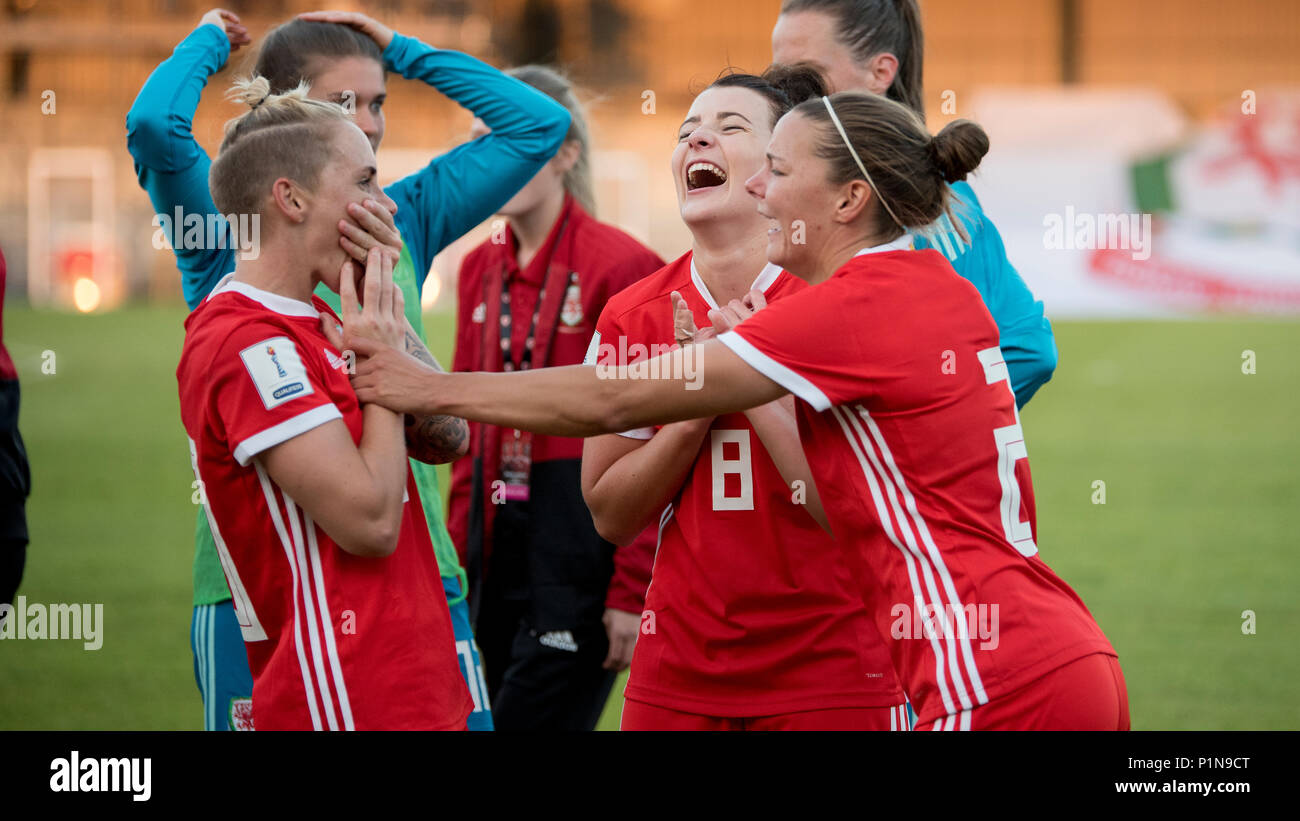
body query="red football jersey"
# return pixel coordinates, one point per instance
(335, 641)
(752, 609)
(912, 433)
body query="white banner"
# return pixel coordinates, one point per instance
(1112, 204)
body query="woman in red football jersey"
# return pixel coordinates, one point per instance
(752, 620)
(905, 412)
(349, 628)
(555, 607)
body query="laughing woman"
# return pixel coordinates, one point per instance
(757, 625)
(919, 466)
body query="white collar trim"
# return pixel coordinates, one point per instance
(273, 302)
(903, 243)
(766, 277)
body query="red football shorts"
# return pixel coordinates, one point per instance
(638, 715)
(1086, 694)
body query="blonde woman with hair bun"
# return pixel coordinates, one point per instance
(309, 495)
(344, 57)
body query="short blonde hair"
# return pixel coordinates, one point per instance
(281, 135)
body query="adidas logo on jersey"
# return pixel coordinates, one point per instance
(347, 363)
(560, 640)
(479, 314)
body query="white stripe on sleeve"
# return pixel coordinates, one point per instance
(283, 432)
(778, 373)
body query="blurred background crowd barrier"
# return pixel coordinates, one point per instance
(1145, 155)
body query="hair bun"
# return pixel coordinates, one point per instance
(251, 91)
(798, 81)
(958, 149)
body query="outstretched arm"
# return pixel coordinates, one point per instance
(628, 479)
(433, 439)
(430, 438)
(578, 400)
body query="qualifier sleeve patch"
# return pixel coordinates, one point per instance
(277, 371)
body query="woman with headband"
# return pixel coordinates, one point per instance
(877, 46)
(905, 411)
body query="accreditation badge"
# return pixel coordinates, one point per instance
(516, 464)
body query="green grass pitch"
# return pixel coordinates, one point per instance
(1201, 465)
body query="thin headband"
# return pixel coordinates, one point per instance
(844, 136)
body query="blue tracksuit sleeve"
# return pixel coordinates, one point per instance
(465, 186)
(171, 167)
(1026, 334)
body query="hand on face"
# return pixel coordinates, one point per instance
(377, 319)
(349, 184)
(371, 226)
(374, 331)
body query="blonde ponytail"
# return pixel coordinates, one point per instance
(251, 91)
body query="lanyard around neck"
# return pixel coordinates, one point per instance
(507, 320)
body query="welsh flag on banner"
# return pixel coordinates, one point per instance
(1226, 215)
(1151, 185)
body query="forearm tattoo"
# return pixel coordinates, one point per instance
(433, 440)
